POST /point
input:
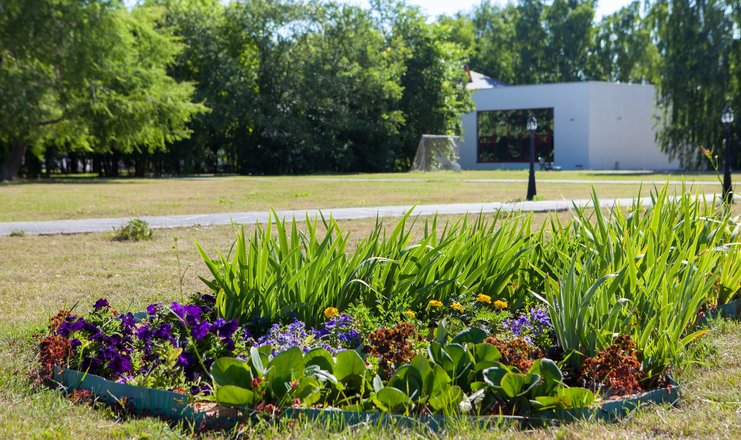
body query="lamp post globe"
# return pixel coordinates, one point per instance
(532, 125)
(727, 119)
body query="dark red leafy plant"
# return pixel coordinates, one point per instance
(616, 369)
(516, 352)
(392, 347)
(53, 350)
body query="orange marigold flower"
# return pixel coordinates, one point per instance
(457, 307)
(435, 303)
(411, 314)
(330, 312)
(500, 304)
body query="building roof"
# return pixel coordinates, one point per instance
(480, 81)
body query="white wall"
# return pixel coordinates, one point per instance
(621, 128)
(595, 124)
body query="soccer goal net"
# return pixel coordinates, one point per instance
(437, 152)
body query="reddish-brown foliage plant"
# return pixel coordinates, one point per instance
(516, 352)
(392, 347)
(616, 369)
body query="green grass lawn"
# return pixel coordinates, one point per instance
(74, 198)
(42, 274)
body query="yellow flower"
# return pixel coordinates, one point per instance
(457, 307)
(435, 303)
(483, 298)
(330, 312)
(411, 314)
(500, 304)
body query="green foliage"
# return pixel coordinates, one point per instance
(645, 273)
(87, 76)
(289, 273)
(452, 378)
(623, 49)
(134, 230)
(699, 43)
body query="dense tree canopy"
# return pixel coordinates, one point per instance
(86, 76)
(301, 86)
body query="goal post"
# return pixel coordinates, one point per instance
(437, 152)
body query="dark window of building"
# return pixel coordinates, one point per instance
(502, 135)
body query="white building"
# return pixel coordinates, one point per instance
(581, 125)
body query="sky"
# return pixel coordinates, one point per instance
(433, 8)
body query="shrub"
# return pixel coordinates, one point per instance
(134, 230)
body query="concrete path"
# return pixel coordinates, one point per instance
(178, 221)
(645, 183)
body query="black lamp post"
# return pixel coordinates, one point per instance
(532, 125)
(727, 119)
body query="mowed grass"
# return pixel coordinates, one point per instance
(75, 198)
(39, 275)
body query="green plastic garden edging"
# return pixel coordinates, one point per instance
(170, 405)
(175, 406)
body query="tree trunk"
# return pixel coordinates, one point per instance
(13, 163)
(139, 166)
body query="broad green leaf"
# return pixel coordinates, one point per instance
(493, 376)
(256, 359)
(321, 358)
(230, 371)
(486, 352)
(518, 384)
(408, 380)
(471, 335)
(448, 400)
(548, 371)
(348, 363)
(390, 399)
(234, 395)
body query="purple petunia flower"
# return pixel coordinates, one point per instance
(143, 332)
(119, 364)
(74, 343)
(200, 330)
(101, 304)
(164, 331)
(228, 344)
(186, 360)
(178, 309)
(351, 337)
(69, 327)
(91, 364)
(193, 314)
(127, 321)
(225, 329)
(152, 309)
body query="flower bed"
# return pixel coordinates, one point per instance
(169, 360)
(483, 319)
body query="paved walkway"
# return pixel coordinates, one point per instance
(645, 183)
(178, 221)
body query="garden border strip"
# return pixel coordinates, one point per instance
(731, 309)
(175, 406)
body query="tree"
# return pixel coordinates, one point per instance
(495, 53)
(433, 81)
(623, 48)
(569, 29)
(88, 76)
(223, 82)
(699, 44)
(530, 42)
